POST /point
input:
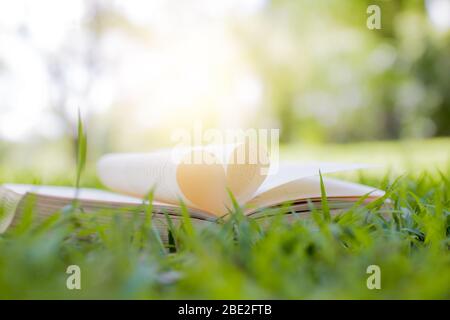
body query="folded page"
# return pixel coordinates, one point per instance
(199, 176)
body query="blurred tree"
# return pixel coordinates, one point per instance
(325, 71)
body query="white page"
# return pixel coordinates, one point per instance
(288, 172)
(86, 194)
(308, 188)
(174, 176)
(135, 174)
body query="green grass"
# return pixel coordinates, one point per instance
(319, 257)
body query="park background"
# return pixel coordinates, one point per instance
(138, 70)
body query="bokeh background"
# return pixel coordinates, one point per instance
(137, 70)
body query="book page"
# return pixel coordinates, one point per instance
(70, 193)
(135, 174)
(288, 172)
(199, 176)
(308, 188)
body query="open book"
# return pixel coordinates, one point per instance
(203, 186)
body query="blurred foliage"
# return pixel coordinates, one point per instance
(317, 72)
(329, 78)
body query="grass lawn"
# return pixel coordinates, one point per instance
(307, 259)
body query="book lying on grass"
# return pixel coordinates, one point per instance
(209, 189)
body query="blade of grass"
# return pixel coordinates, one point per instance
(81, 150)
(323, 194)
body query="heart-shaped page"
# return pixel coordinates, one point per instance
(206, 181)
